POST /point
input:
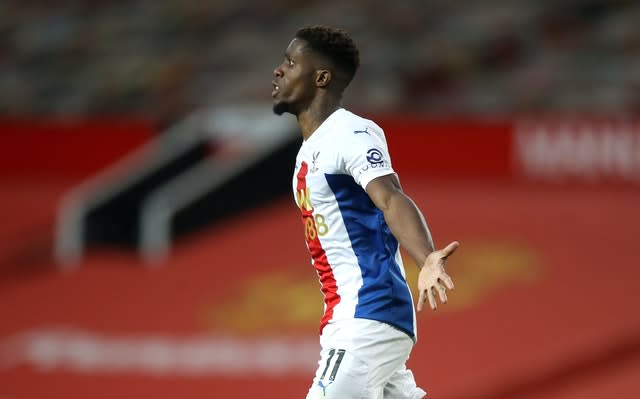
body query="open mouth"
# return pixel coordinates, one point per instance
(276, 89)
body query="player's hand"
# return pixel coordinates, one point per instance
(433, 278)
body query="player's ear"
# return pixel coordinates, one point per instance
(323, 77)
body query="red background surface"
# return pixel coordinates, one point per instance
(545, 306)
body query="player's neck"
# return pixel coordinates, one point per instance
(318, 111)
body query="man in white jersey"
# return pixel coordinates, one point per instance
(355, 217)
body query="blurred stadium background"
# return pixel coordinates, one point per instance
(149, 242)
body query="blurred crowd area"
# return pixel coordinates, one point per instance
(160, 59)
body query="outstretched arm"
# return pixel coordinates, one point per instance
(410, 229)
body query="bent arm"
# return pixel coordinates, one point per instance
(403, 217)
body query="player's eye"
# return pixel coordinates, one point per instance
(289, 61)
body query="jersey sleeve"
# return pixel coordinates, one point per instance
(366, 157)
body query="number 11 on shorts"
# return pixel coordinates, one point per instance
(339, 354)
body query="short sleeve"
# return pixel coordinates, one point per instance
(367, 157)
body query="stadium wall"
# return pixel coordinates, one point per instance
(551, 149)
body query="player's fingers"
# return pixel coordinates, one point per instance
(421, 300)
(442, 293)
(447, 281)
(432, 298)
(449, 249)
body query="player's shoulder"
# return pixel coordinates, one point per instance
(355, 128)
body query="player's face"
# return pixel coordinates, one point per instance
(293, 83)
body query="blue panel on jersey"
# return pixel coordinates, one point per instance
(384, 295)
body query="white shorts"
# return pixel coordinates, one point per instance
(364, 359)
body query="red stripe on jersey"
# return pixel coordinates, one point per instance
(320, 262)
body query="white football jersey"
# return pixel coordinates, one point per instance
(352, 249)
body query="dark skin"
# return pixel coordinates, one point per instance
(309, 87)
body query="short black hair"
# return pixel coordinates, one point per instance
(336, 45)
